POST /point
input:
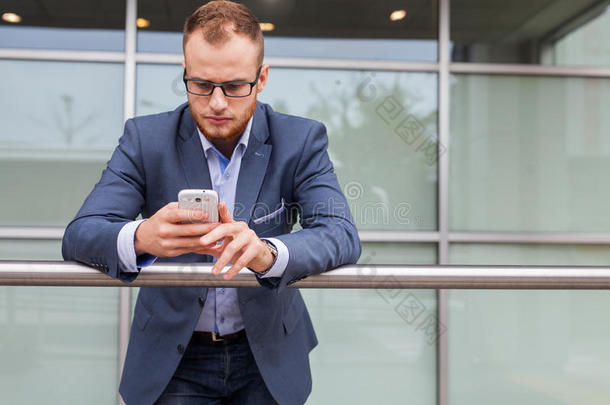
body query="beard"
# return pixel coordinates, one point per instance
(228, 132)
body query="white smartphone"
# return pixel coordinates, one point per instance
(204, 200)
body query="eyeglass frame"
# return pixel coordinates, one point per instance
(252, 84)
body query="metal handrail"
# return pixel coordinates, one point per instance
(59, 273)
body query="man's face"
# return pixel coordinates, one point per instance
(222, 118)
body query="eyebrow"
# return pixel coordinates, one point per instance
(224, 81)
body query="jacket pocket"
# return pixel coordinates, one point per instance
(269, 217)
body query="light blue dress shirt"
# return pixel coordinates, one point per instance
(221, 310)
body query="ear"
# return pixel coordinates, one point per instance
(183, 65)
(262, 79)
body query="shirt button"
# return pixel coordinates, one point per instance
(201, 301)
(180, 349)
(222, 319)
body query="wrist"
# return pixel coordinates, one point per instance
(138, 243)
(270, 257)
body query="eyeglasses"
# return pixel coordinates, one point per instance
(235, 89)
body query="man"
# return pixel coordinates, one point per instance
(223, 345)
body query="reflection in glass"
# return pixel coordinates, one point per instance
(85, 24)
(542, 347)
(502, 32)
(54, 335)
(529, 154)
(60, 123)
(361, 30)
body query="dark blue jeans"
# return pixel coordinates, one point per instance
(217, 373)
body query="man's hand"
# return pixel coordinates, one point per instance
(241, 246)
(164, 235)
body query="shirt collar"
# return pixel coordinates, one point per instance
(243, 140)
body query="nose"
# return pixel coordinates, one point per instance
(218, 101)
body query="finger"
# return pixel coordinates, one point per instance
(184, 245)
(223, 212)
(178, 246)
(170, 231)
(194, 229)
(176, 215)
(215, 249)
(166, 211)
(243, 261)
(221, 231)
(206, 251)
(221, 245)
(232, 249)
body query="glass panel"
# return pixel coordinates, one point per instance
(529, 154)
(584, 43)
(61, 122)
(540, 255)
(375, 346)
(359, 29)
(90, 25)
(30, 249)
(159, 88)
(54, 335)
(514, 32)
(398, 253)
(382, 130)
(542, 347)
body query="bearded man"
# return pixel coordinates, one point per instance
(219, 345)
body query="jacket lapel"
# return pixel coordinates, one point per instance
(253, 167)
(190, 150)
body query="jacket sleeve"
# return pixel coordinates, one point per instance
(329, 237)
(118, 198)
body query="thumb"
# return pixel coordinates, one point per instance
(223, 213)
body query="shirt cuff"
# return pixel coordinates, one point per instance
(281, 261)
(128, 262)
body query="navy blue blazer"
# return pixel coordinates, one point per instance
(286, 159)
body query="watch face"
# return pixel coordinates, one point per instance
(272, 248)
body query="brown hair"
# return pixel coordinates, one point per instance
(219, 19)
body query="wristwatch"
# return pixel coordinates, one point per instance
(273, 251)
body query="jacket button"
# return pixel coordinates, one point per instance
(201, 301)
(180, 349)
